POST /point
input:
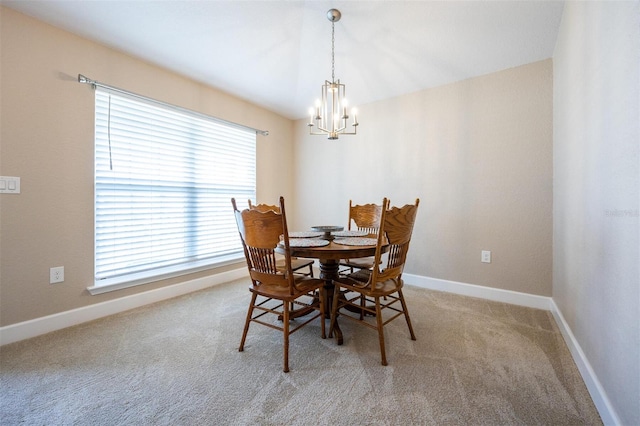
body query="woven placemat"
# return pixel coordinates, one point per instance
(356, 241)
(307, 242)
(354, 233)
(305, 234)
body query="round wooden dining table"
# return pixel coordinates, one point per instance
(329, 258)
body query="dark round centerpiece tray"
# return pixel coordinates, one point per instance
(327, 231)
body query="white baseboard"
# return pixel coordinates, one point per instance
(27, 329)
(599, 396)
(482, 292)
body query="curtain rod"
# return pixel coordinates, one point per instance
(86, 80)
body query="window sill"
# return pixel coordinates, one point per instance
(119, 283)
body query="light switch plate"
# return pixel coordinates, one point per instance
(9, 185)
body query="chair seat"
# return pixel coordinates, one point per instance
(358, 282)
(360, 263)
(304, 285)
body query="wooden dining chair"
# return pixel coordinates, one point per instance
(378, 291)
(297, 264)
(364, 217)
(273, 289)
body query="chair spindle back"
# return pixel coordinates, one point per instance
(260, 233)
(396, 226)
(366, 217)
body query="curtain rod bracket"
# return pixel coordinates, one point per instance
(83, 79)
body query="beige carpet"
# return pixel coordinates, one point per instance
(177, 363)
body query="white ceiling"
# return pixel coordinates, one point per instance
(277, 54)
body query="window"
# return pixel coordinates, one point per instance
(164, 178)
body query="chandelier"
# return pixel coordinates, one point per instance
(329, 117)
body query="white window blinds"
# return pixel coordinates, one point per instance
(163, 183)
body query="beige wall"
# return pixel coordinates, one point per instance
(596, 279)
(478, 155)
(46, 132)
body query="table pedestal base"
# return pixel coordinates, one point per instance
(329, 269)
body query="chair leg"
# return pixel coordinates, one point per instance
(285, 329)
(247, 321)
(322, 296)
(406, 315)
(311, 270)
(380, 331)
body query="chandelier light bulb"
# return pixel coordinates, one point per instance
(310, 117)
(344, 109)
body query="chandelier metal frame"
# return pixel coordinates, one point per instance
(329, 117)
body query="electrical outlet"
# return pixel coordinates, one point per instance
(485, 256)
(56, 275)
